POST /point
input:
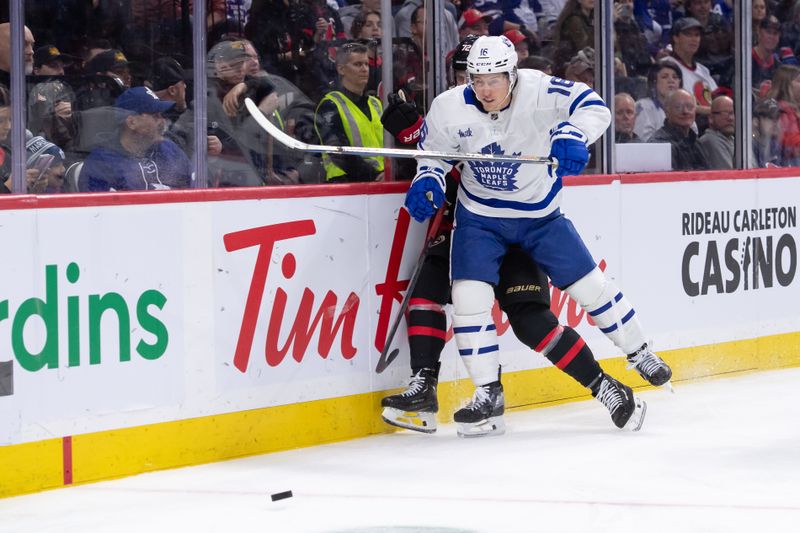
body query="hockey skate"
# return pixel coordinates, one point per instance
(416, 407)
(651, 367)
(484, 414)
(627, 410)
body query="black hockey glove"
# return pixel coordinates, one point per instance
(402, 120)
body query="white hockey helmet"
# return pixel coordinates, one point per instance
(490, 55)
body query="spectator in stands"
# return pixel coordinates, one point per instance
(47, 161)
(112, 63)
(790, 29)
(347, 116)
(574, 30)
(766, 150)
(655, 19)
(5, 53)
(52, 114)
(581, 67)
(765, 58)
(139, 158)
(246, 155)
(550, 11)
(168, 81)
(759, 13)
(473, 22)
(717, 141)
(680, 109)
(418, 28)
(367, 25)
(49, 61)
(697, 80)
(540, 63)
(367, 29)
(714, 28)
(108, 75)
(402, 24)
(521, 43)
(631, 44)
(348, 14)
(664, 77)
(6, 180)
(625, 118)
(786, 91)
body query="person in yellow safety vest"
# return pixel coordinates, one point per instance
(347, 116)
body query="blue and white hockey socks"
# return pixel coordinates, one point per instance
(475, 332)
(610, 310)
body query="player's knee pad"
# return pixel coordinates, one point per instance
(471, 297)
(609, 308)
(475, 332)
(534, 325)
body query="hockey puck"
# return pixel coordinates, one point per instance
(281, 495)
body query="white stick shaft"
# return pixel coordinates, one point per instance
(293, 143)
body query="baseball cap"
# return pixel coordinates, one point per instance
(142, 100)
(38, 146)
(166, 73)
(685, 23)
(227, 51)
(470, 17)
(105, 61)
(49, 53)
(515, 36)
(770, 22)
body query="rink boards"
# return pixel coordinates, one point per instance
(143, 331)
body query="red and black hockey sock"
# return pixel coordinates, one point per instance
(571, 354)
(427, 327)
(537, 327)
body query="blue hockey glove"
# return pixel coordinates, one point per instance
(424, 198)
(568, 146)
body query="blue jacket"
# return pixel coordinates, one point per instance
(165, 166)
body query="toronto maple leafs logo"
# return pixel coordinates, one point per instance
(494, 174)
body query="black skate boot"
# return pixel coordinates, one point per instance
(416, 407)
(627, 411)
(650, 366)
(484, 414)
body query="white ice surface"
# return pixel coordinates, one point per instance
(717, 456)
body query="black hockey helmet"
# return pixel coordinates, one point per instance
(457, 58)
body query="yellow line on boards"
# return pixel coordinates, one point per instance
(40, 465)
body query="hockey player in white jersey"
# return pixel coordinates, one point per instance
(503, 111)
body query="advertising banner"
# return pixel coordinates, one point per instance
(125, 315)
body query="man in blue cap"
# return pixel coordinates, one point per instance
(140, 158)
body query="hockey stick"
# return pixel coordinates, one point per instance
(293, 143)
(430, 239)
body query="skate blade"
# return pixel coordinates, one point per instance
(491, 426)
(636, 420)
(421, 421)
(668, 386)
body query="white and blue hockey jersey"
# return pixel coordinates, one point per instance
(457, 123)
